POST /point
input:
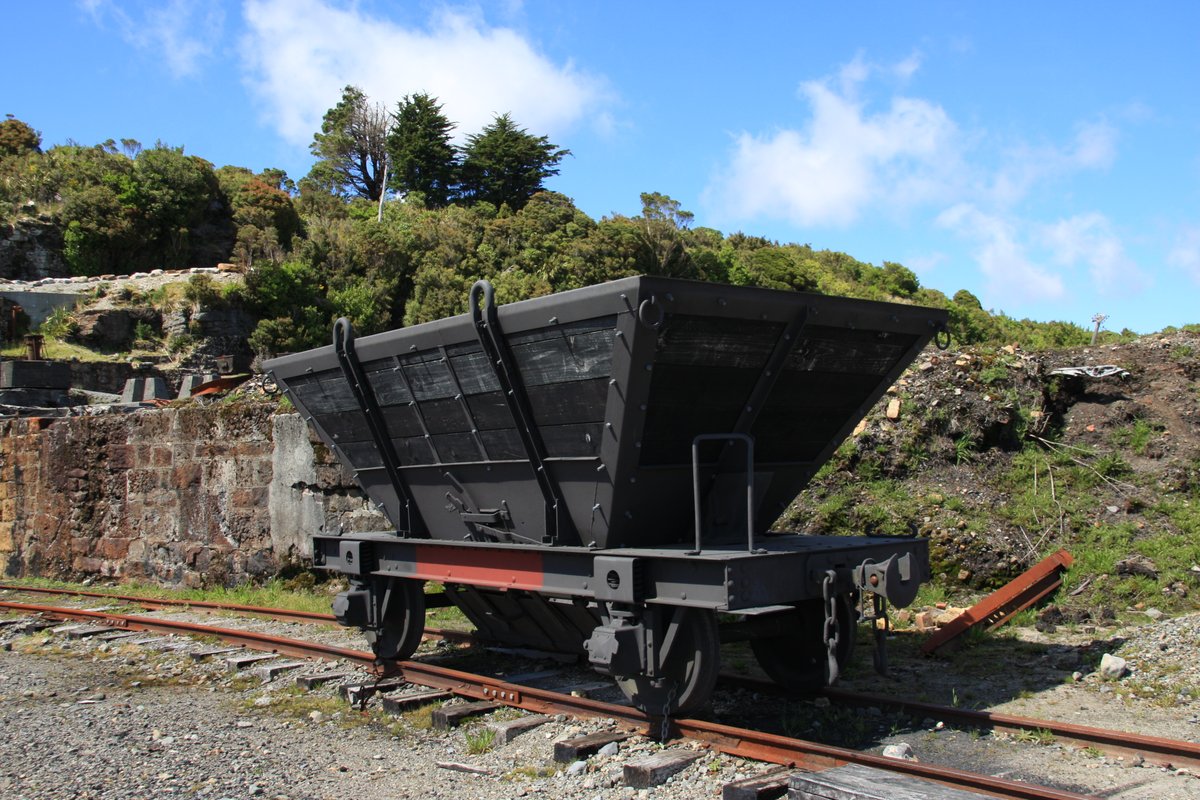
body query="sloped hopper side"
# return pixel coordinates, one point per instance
(611, 385)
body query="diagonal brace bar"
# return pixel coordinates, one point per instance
(491, 338)
(410, 523)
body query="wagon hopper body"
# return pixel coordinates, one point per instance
(596, 471)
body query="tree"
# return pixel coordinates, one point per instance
(896, 279)
(18, 138)
(265, 218)
(423, 159)
(169, 196)
(663, 225)
(506, 164)
(352, 146)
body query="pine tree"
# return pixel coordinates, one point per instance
(506, 164)
(423, 159)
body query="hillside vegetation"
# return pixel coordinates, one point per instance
(1000, 462)
(324, 247)
(992, 457)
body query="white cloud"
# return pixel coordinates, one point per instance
(180, 32)
(1093, 147)
(1011, 276)
(1090, 239)
(1185, 253)
(301, 53)
(908, 67)
(846, 159)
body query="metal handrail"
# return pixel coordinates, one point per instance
(728, 438)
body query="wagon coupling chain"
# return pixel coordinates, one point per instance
(832, 634)
(665, 733)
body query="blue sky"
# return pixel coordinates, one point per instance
(1045, 156)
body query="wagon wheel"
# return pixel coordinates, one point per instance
(797, 660)
(690, 671)
(403, 611)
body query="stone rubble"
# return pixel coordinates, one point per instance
(129, 721)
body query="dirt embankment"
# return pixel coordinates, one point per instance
(999, 458)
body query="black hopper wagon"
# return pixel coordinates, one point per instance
(596, 471)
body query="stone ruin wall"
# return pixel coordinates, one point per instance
(192, 496)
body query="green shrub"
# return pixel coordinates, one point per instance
(144, 332)
(993, 374)
(201, 291)
(1137, 436)
(180, 342)
(59, 325)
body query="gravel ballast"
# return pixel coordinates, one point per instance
(90, 719)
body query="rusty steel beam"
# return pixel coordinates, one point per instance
(999, 607)
(219, 385)
(734, 741)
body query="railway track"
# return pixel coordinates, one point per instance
(756, 745)
(1154, 750)
(281, 614)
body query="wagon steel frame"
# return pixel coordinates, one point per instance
(595, 470)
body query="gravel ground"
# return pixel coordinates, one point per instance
(85, 719)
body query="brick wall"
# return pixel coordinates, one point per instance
(191, 496)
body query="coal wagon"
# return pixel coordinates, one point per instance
(597, 472)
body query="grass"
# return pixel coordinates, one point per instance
(930, 594)
(993, 374)
(420, 718)
(299, 704)
(275, 593)
(480, 739)
(1137, 436)
(530, 772)
(964, 448)
(56, 350)
(1039, 736)
(450, 618)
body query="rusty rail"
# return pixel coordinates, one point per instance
(286, 614)
(734, 741)
(282, 614)
(999, 607)
(1154, 749)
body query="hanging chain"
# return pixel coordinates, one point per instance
(832, 633)
(666, 713)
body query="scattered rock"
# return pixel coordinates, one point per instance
(1137, 565)
(924, 620)
(1113, 667)
(902, 751)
